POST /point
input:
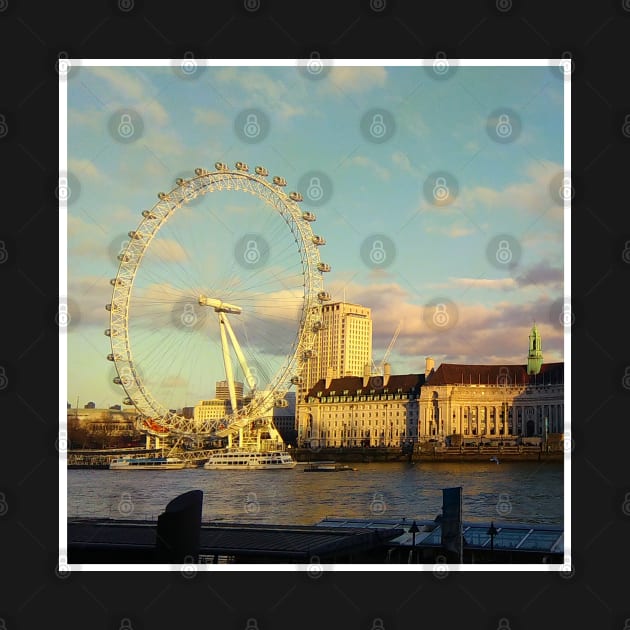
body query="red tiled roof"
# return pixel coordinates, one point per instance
(457, 373)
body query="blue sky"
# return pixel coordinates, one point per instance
(456, 175)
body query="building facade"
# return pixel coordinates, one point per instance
(470, 403)
(361, 411)
(492, 402)
(344, 341)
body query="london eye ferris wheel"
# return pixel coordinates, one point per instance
(220, 281)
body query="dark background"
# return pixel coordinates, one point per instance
(594, 594)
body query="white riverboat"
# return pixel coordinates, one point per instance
(249, 460)
(147, 463)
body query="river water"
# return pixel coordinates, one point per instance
(525, 492)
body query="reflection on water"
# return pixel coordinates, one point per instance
(521, 492)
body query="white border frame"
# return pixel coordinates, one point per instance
(564, 66)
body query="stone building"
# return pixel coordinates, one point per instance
(363, 410)
(455, 402)
(494, 401)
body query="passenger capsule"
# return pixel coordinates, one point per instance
(108, 307)
(323, 296)
(179, 181)
(279, 181)
(318, 240)
(124, 257)
(296, 196)
(108, 332)
(148, 214)
(127, 401)
(308, 216)
(296, 380)
(162, 195)
(323, 267)
(110, 357)
(220, 166)
(117, 380)
(317, 326)
(241, 166)
(135, 235)
(261, 170)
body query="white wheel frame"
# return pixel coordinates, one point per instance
(295, 367)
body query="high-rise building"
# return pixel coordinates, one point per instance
(344, 343)
(343, 346)
(223, 390)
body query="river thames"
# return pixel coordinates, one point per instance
(525, 492)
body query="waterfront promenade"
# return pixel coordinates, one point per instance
(425, 453)
(430, 453)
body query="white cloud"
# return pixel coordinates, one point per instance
(85, 170)
(262, 91)
(402, 162)
(208, 117)
(489, 332)
(130, 86)
(357, 79)
(502, 284)
(365, 162)
(168, 250)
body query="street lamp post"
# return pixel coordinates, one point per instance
(492, 532)
(413, 530)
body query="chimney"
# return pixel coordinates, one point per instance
(366, 374)
(387, 372)
(430, 364)
(330, 374)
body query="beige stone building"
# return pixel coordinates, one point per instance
(471, 403)
(361, 410)
(494, 401)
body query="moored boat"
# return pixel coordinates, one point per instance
(147, 463)
(327, 466)
(249, 460)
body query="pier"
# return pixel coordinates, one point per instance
(179, 537)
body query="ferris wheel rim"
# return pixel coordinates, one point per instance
(185, 191)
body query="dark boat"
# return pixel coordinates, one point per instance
(326, 466)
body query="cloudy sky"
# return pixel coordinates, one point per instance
(438, 190)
